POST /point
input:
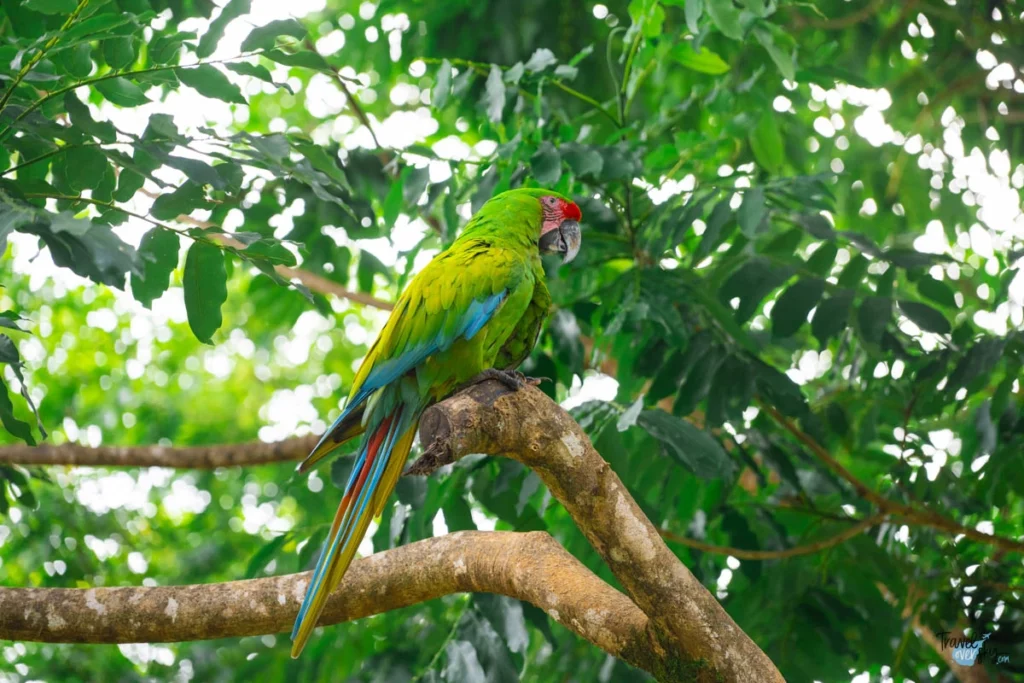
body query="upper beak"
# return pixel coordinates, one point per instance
(565, 240)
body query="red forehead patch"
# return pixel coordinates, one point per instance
(570, 210)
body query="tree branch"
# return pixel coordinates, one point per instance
(807, 549)
(190, 457)
(527, 426)
(908, 512)
(35, 59)
(964, 674)
(527, 566)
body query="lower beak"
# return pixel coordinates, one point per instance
(565, 240)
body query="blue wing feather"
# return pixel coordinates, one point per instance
(477, 314)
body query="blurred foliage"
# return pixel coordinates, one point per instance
(812, 206)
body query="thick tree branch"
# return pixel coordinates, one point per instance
(529, 427)
(190, 457)
(526, 566)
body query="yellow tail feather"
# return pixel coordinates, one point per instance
(340, 562)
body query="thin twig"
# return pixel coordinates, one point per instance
(918, 516)
(39, 55)
(743, 554)
(5, 133)
(352, 103)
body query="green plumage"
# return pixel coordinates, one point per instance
(478, 305)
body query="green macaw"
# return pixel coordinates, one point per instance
(477, 308)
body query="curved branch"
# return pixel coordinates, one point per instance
(189, 457)
(914, 515)
(529, 427)
(526, 566)
(807, 549)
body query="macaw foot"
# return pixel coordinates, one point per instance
(513, 379)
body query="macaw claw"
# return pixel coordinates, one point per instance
(513, 379)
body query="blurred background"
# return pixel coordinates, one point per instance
(801, 219)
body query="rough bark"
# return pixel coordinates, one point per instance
(527, 426)
(190, 457)
(670, 625)
(527, 566)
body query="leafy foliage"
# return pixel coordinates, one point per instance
(809, 207)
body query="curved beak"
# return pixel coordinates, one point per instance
(564, 240)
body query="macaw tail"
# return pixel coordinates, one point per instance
(348, 426)
(377, 469)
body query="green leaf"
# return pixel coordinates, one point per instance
(752, 211)
(8, 351)
(781, 391)
(230, 11)
(873, 317)
(369, 265)
(302, 58)
(206, 289)
(9, 319)
(546, 164)
(832, 316)
(704, 61)
(783, 60)
(81, 118)
(122, 92)
(751, 283)
(165, 48)
(694, 449)
(415, 185)
(583, 160)
(257, 71)
(265, 37)
(128, 183)
(322, 161)
(99, 27)
(791, 309)
(854, 271)
(85, 167)
(159, 254)
(14, 426)
(821, 260)
(443, 88)
(262, 557)
(119, 52)
(693, 10)
(726, 17)
(925, 317)
(463, 664)
(210, 81)
(979, 360)
(197, 171)
(507, 618)
(936, 290)
(183, 201)
(311, 548)
(494, 95)
(51, 6)
(713, 235)
(94, 251)
(77, 60)
(628, 418)
(766, 143)
(755, 6)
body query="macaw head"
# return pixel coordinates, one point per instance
(554, 224)
(560, 226)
